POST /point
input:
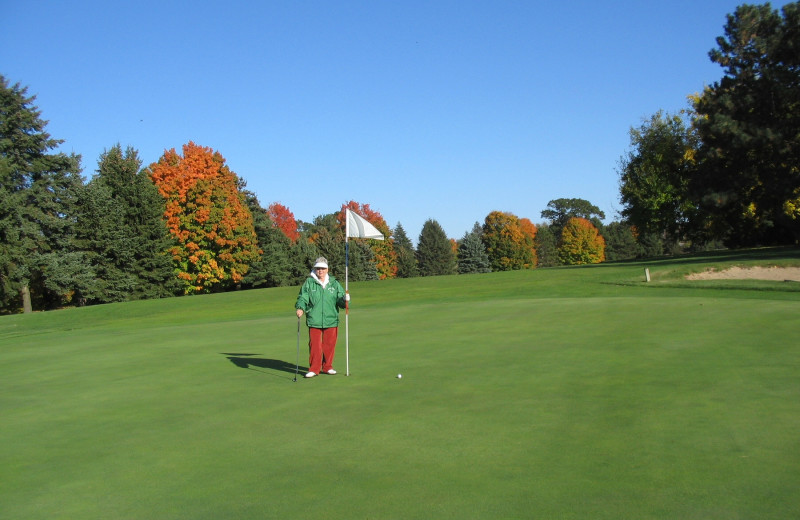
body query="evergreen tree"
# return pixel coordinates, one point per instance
(472, 257)
(546, 247)
(273, 268)
(38, 194)
(748, 180)
(406, 256)
(435, 252)
(621, 243)
(121, 228)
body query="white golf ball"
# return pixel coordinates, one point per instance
(399, 376)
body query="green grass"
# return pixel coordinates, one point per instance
(556, 394)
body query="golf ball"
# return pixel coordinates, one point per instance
(399, 376)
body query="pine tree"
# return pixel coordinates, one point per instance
(121, 228)
(273, 267)
(546, 249)
(435, 252)
(406, 257)
(38, 195)
(472, 257)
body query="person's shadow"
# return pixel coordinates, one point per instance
(249, 361)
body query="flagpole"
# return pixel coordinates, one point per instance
(347, 292)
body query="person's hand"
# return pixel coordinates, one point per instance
(347, 297)
(299, 312)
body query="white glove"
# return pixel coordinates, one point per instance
(347, 297)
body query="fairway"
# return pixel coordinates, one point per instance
(564, 393)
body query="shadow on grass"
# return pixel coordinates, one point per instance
(248, 361)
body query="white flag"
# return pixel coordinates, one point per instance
(358, 227)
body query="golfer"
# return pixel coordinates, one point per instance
(320, 299)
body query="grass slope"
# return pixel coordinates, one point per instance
(559, 393)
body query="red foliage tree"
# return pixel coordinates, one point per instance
(284, 220)
(207, 216)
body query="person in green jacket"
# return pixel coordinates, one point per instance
(320, 298)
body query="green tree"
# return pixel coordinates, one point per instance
(546, 247)
(621, 242)
(406, 256)
(434, 251)
(654, 176)
(121, 228)
(273, 268)
(38, 195)
(472, 257)
(559, 211)
(748, 184)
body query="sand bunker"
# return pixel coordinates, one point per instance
(750, 273)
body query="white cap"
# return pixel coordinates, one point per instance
(321, 262)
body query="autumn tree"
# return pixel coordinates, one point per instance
(283, 219)
(748, 183)
(39, 266)
(509, 246)
(434, 251)
(208, 216)
(581, 243)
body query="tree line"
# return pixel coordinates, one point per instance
(723, 173)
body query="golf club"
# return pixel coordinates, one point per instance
(297, 365)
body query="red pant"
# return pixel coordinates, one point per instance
(321, 349)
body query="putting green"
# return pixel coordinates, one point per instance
(557, 393)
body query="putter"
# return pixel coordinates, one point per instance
(297, 365)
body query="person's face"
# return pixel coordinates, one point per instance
(322, 272)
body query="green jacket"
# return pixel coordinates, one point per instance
(321, 305)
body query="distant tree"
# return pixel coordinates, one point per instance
(472, 257)
(303, 254)
(121, 228)
(509, 246)
(283, 219)
(559, 211)
(581, 243)
(621, 242)
(546, 247)
(406, 256)
(38, 194)
(274, 267)
(434, 252)
(207, 215)
(748, 181)
(654, 176)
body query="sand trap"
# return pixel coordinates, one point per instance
(750, 273)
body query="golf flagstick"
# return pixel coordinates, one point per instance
(346, 292)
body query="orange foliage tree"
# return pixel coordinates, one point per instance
(207, 215)
(383, 250)
(509, 243)
(284, 220)
(581, 243)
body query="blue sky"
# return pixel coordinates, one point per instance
(422, 109)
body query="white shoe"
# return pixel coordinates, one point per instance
(331, 372)
(311, 374)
